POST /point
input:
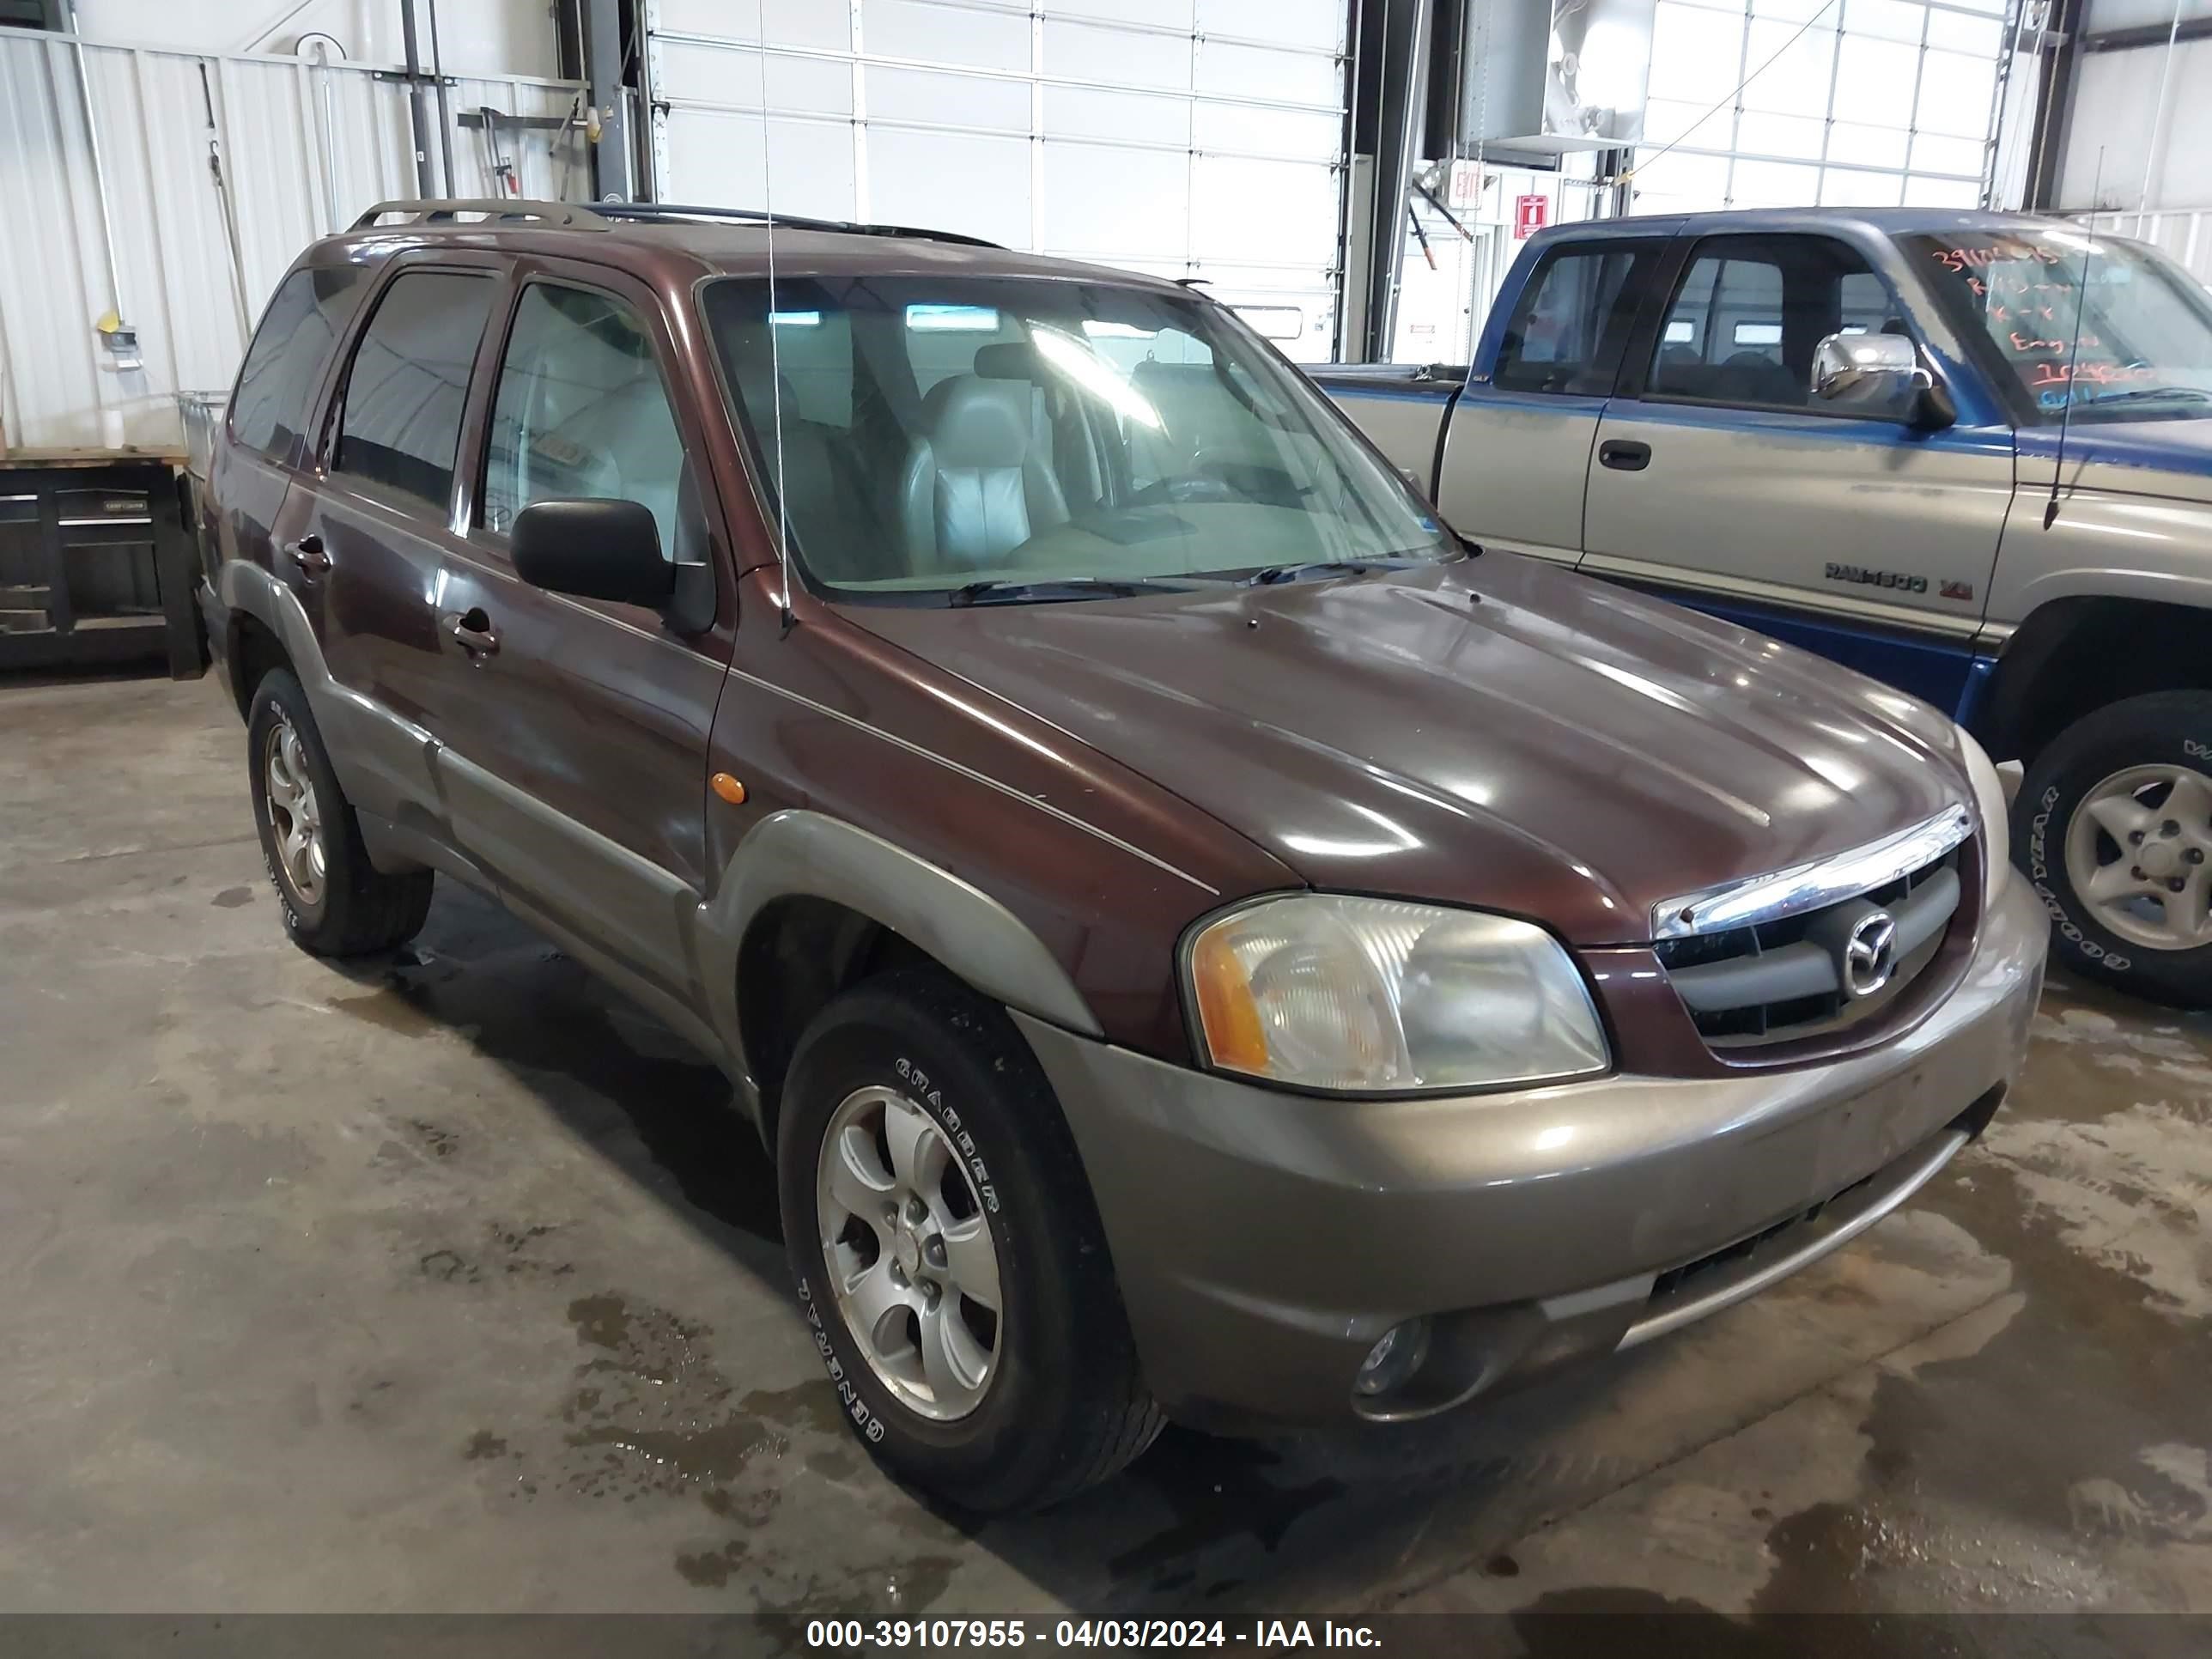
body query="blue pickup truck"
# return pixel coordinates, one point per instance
(1967, 453)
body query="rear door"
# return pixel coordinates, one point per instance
(362, 540)
(1721, 481)
(575, 765)
(266, 421)
(1517, 448)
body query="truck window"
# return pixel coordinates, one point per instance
(580, 412)
(1570, 326)
(2144, 326)
(400, 424)
(1742, 322)
(269, 409)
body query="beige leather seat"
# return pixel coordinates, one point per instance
(978, 481)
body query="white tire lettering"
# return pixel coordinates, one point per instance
(2038, 871)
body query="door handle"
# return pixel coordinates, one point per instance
(1625, 454)
(471, 631)
(308, 553)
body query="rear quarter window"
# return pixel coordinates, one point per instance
(1570, 326)
(306, 314)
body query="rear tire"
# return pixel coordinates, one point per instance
(2092, 811)
(1063, 1405)
(334, 901)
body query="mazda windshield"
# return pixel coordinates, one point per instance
(979, 440)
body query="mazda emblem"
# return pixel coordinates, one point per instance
(1870, 953)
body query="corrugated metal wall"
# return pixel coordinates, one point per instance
(305, 149)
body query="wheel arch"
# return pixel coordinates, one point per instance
(251, 649)
(811, 904)
(2074, 656)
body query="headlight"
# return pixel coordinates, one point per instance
(1362, 994)
(1996, 822)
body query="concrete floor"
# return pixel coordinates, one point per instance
(444, 1284)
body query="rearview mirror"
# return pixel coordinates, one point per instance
(1879, 374)
(596, 549)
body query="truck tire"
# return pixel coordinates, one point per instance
(947, 1252)
(2114, 831)
(334, 901)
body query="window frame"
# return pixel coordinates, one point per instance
(499, 334)
(1652, 248)
(1635, 379)
(486, 267)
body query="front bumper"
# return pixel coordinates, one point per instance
(1264, 1240)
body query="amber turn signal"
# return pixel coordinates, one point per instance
(728, 789)
(1227, 1014)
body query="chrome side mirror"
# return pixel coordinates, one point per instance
(1879, 374)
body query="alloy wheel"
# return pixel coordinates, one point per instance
(912, 1263)
(295, 814)
(2139, 854)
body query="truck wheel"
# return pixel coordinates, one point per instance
(2114, 829)
(947, 1252)
(335, 902)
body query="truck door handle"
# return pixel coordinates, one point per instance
(308, 553)
(1625, 454)
(471, 631)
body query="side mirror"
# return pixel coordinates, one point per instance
(1880, 374)
(596, 549)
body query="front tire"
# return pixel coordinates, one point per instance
(335, 902)
(2114, 831)
(947, 1252)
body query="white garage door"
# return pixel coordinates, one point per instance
(1185, 137)
(1844, 103)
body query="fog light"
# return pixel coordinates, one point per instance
(1395, 1358)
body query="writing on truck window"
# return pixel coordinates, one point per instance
(2082, 320)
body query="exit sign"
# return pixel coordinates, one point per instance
(1530, 215)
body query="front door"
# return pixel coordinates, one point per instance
(1719, 480)
(1516, 450)
(576, 770)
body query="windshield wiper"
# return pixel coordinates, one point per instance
(2187, 394)
(996, 590)
(1268, 576)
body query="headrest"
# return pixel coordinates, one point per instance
(1008, 359)
(978, 422)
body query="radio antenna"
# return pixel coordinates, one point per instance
(774, 352)
(2074, 351)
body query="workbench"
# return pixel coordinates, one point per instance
(96, 563)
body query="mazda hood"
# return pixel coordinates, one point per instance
(1487, 732)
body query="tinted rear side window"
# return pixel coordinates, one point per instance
(269, 409)
(1571, 326)
(401, 423)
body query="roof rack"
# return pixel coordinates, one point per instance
(605, 215)
(646, 212)
(448, 212)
